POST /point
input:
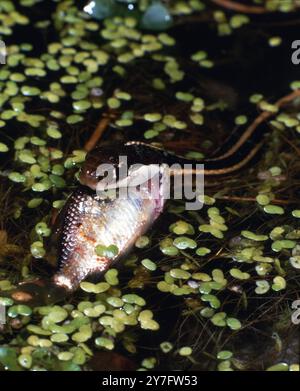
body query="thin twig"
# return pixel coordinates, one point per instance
(197, 18)
(234, 6)
(97, 134)
(265, 115)
(288, 98)
(252, 199)
(281, 102)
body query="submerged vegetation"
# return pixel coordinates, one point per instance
(209, 289)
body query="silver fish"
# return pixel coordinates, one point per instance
(90, 220)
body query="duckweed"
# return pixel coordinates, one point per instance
(5, 285)
(225, 366)
(94, 312)
(59, 338)
(180, 274)
(202, 251)
(167, 248)
(17, 177)
(237, 273)
(166, 347)
(74, 119)
(279, 245)
(38, 330)
(233, 323)
(30, 91)
(104, 343)
(25, 360)
(37, 249)
(262, 287)
(146, 321)
(115, 302)
(3, 147)
(149, 134)
(263, 199)
(65, 356)
(107, 251)
(274, 209)
(111, 277)
(181, 227)
(84, 334)
(20, 309)
(280, 367)
(219, 319)
(148, 264)
(152, 117)
(163, 286)
(184, 242)
(224, 355)
(296, 213)
(113, 103)
(6, 301)
(42, 229)
(295, 262)
(279, 283)
(94, 288)
(213, 300)
(253, 236)
(134, 299)
(143, 241)
(57, 314)
(185, 351)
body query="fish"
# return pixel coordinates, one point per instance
(92, 219)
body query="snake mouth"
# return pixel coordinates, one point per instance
(147, 180)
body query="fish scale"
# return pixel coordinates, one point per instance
(91, 221)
